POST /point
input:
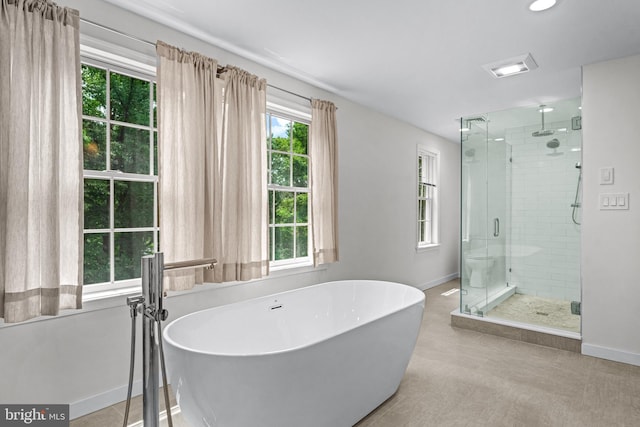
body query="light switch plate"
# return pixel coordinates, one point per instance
(613, 201)
(606, 176)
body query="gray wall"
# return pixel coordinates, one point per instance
(611, 239)
(82, 357)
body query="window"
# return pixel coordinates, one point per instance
(119, 138)
(428, 176)
(287, 148)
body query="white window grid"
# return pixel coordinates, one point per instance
(427, 189)
(115, 175)
(295, 260)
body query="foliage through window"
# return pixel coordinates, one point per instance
(427, 198)
(287, 147)
(119, 138)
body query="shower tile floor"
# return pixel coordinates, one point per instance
(459, 377)
(534, 310)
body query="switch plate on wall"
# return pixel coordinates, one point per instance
(614, 201)
(606, 176)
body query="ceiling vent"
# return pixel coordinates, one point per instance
(512, 66)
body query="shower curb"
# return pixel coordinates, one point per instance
(520, 332)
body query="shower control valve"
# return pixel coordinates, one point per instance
(135, 304)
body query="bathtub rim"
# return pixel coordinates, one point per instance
(168, 341)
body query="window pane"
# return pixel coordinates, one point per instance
(129, 249)
(300, 138)
(280, 127)
(300, 171)
(96, 258)
(94, 145)
(280, 169)
(94, 99)
(129, 149)
(284, 207)
(271, 197)
(280, 139)
(129, 99)
(133, 204)
(155, 153)
(301, 242)
(155, 105)
(421, 210)
(271, 240)
(302, 206)
(422, 190)
(283, 243)
(96, 204)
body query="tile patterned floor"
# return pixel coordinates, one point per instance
(538, 311)
(459, 377)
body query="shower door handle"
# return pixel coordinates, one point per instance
(496, 227)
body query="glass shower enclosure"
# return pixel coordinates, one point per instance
(520, 214)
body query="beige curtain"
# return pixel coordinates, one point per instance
(188, 96)
(323, 143)
(212, 172)
(240, 183)
(40, 160)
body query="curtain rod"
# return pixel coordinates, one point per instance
(122, 33)
(132, 37)
(289, 92)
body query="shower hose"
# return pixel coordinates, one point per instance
(133, 304)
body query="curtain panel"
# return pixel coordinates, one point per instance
(323, 142)
(212, 172)
(41, 187)
(240, 184)
(189, 99)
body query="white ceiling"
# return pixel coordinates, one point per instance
(417, 60)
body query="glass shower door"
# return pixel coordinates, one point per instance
(485, 208)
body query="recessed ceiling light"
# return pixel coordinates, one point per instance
(545, 110)
(464, 129)
(562, 130)
(499, 139)
(512, 66)
(540, 5)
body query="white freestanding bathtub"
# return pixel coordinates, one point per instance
(323, 355)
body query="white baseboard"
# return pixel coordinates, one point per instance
(611, 354)
(439, 281)
(102, 400)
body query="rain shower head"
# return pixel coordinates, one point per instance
(547, 132)
(542, 132)
(554, 143)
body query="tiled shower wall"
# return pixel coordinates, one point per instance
(545, 243)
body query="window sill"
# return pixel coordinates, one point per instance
(426, 248)
(114, 298)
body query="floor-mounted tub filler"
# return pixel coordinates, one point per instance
(323, 355)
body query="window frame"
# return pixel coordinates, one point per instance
(130, 68)
(304, 118)
(432, 194)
